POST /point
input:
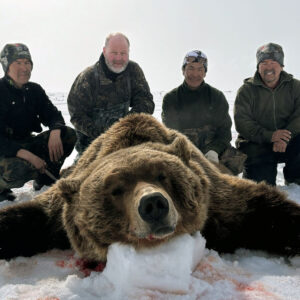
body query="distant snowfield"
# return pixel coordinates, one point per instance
(180, 269)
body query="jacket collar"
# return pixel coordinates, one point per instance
(256, 79)
(10, 84)
(108, 73)
(198, 89)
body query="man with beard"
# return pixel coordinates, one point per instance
(105, 92)
(200, 111)
(24, 107)
(267, 118)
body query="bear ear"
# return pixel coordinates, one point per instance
(180, 147)
(68, 187)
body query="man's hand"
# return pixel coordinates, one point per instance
(281, 135)
(36, 161)
(279, 146)
(55, 146)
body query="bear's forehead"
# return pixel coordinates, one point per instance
(140, 152)
(139, 160)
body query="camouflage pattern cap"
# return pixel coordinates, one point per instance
(12, 52)
(270, 51)
(195, 56)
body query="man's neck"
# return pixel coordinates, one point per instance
(13, 83)
(108, 73)
(272, 85)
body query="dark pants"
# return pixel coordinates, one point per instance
(15, 172)
(261, 163)
(83, 141)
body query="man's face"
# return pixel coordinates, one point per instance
(269, 71)
(194, 74)
(20, 71)
(116, 54)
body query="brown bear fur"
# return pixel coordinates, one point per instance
(141, 183)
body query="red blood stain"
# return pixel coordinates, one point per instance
(84, 266)
(212, 274)
(256, 288)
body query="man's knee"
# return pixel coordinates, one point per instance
(233, 159)
(261, 168)
(68, 137)
(15, 172)
(261, 172)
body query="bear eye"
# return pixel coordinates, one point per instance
(117, 191)
(161, 177)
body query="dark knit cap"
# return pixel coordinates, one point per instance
(12, 52)
(270, 51)
(195, 56)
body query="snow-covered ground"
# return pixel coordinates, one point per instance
(181, 269)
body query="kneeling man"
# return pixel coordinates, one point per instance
(24, 107)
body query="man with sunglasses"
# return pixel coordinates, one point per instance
(267, 118)
(200, 111)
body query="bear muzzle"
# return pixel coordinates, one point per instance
(155, 217)
(154, 209)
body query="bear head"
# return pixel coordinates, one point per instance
(140, 195)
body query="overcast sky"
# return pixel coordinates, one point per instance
(66, 36)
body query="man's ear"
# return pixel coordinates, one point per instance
(68, 187)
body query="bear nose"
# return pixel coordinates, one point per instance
(153, 208)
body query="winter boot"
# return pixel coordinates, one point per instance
(37, 185)
(7, 194)
(44, 179)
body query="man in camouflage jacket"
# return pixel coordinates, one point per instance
(267, 118)
(200, 111)
(24, 107)
(105, 92)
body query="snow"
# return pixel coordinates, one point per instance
(180, 269)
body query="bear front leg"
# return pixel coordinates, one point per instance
(253, 216)
(26, 229)
(273, 224)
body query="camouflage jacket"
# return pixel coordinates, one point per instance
(96, 101)
(22, 111)
(201, 114)
(259, 110)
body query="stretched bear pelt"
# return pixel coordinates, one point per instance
(141, 183)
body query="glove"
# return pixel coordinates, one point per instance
(212, 156)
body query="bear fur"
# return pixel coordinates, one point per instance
(141, 183)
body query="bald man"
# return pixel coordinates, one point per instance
(107, 91)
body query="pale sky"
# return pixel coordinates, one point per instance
(66, 36)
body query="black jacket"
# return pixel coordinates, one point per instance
(22, 111)
(201, 114)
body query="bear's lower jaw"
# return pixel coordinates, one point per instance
(160, 231)
(149, 241)
(156, 235)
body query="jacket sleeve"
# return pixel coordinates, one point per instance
(294, 120)
(223, 135)
(81, 105)
(141, 97)
(245, 123)
(169, 114)
(8, 147)
(49, 115)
